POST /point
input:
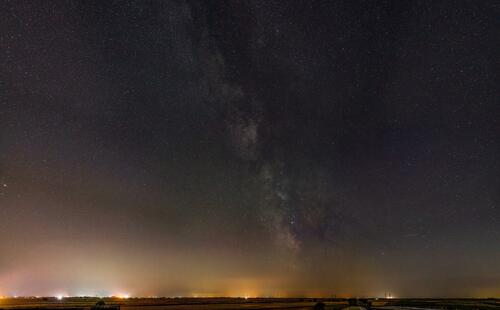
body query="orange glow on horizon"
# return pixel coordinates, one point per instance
(123, 296)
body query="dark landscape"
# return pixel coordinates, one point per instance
(87, 303)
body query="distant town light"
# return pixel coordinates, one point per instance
(123, 296)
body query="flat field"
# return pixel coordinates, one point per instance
(166, 303)
(85, 303)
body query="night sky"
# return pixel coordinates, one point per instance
(250, 148)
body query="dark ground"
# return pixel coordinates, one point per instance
(241, 303)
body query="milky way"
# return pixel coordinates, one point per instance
(249, 148)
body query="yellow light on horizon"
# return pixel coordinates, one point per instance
(123, 296)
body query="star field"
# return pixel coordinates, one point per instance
(249, 148)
